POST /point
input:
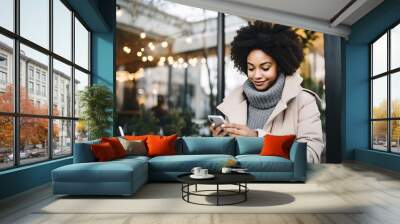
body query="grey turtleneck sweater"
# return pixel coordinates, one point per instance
(260, 104)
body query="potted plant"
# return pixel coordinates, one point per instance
(96, 103)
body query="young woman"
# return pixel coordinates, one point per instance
(271, 100)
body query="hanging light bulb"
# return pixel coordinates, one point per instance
(164, 44)
(139, 54)
(126, 49)
(185, 65)
(162, 59)
(142, 49)
(181, 60)
(142, 35)
(170, 60)
(144, 58)
(188, 40)
(150, 58)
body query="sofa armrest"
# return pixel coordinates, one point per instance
(83, 152)
(298, 155)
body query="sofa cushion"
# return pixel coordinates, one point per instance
(277, 145)
(116, 145)
(111, 171)
(257, 163)
(185, 163)
(83, 152)
(103, 152)
(161, 145)
(206, 145)
(248, 145)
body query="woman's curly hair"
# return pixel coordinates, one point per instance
(278, 41)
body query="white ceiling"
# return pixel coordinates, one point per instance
(318, 15)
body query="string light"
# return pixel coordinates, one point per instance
(188, 40)
(142, 49)
(150, 58)
(126, 49)
(144, 58)
(180, 60)
(142, 35)
(164, 44)
(139, 54)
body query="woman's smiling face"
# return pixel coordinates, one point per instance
(262, 69)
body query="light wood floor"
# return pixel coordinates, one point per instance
(378, 188)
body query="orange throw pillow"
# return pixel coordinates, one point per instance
(103, 151)
(161, 145)
(116, 145)
(275, 145)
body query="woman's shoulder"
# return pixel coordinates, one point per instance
(307, 96)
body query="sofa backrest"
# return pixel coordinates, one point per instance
(249, 145)
(206, 145)
(83, 152)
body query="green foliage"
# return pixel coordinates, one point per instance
(96, 102)
(190, 127)
(174, 123)
(145, 122)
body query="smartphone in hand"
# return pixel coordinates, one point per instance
(216, 119)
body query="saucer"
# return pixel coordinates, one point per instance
(208, 176)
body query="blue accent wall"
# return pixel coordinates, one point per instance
(357, 125)
(99, 16)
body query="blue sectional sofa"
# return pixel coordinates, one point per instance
(125, 176)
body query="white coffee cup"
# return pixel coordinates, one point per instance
(203, 172)
(196, 170)
(226, 170)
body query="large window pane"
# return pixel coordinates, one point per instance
(81, 131)
(62, 89)
(395, 94)
(395, 47)
(379, 97)
(379, 56)
(33, 139)
(395, 137)
(7, 14)
(62, 138)
(6, 142)
(81, 45)
(34, 75)
(35, 21)
(6, 74)
(62, 29)
(81, 81)
(379, 135)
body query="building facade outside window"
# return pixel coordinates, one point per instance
(45, 131)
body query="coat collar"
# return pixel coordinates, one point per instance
(234, 106)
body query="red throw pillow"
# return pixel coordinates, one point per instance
(116, 145)
(103, 151)
(161, 145)
(275, 145)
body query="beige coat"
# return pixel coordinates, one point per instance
(296, 113)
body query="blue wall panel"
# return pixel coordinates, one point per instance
(357, 84)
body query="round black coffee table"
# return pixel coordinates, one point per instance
(238, 179)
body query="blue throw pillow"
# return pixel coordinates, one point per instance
(207, 145)
(249, 145)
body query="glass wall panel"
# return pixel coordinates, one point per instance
(81, 45)
(7, 14)
(34, 81)
(62, 30)
(379, 98)
(62, 138)
(6, 74)
(34, 144)
(62, 89)
(34, 21)
(6, 142)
